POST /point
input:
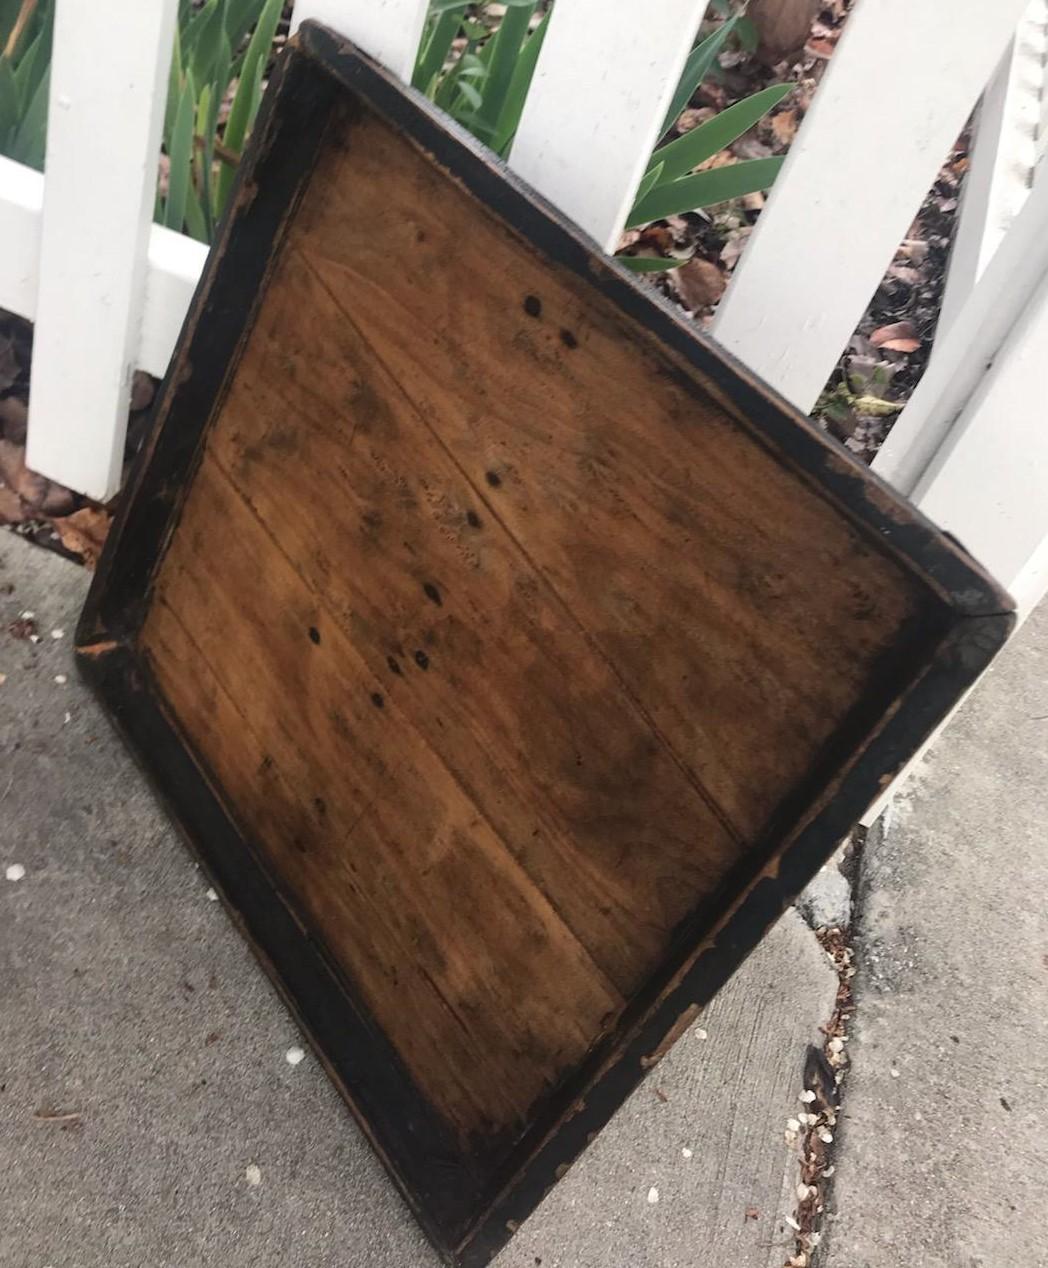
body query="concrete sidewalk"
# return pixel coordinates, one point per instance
(943, 1144)
(142, 1051)
(148, 1114)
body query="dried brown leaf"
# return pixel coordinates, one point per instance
(8, 362)
(84, 533)
(784, 126)
(13, 416)
(11, 509)
(900, 336)
(40, 495)
(143, 389)
(700, 283)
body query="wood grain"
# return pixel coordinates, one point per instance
(499, 634)
(742, 611)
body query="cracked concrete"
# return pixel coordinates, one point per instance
(943, 1143)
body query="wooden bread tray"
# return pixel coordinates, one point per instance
(509, 655)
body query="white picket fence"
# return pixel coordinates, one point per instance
(108, 289)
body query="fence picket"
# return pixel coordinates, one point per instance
(967, 349)
(1004, 156)
(987, 483)
(906, 76)
(21, 202)
(108, 88)
(604, 80)
(175, 263)
(389, 30)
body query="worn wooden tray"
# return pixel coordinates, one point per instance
(508, 654)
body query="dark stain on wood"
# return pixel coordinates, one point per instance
(689, 647)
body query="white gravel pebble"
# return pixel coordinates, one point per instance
(15, 872)
(294, 1055)
(653, 1195)
(58, 633)
(61, 679)
(894, 1072)
(685, 1153)
(807, 1097)
(211, 896)
(253, 1174)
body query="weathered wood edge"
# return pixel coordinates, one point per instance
(861, 496)
(450, 1212)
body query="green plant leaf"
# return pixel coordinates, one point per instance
(648, 264)
(203, 152)
(180, 155)
(523, 73)
(650, 180)
(205, 51)
(194, 28)
(174, 89)
(29, 144)
(505, 47)
(696, 68)
(716, 134)
(704, 189)
(248, 94)
(220, 77)
(470, 94)
(10, 107)
(748, 35)
(195, 220)
(241, 15)
(35, 60)
(437, 46)
(8, 14)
